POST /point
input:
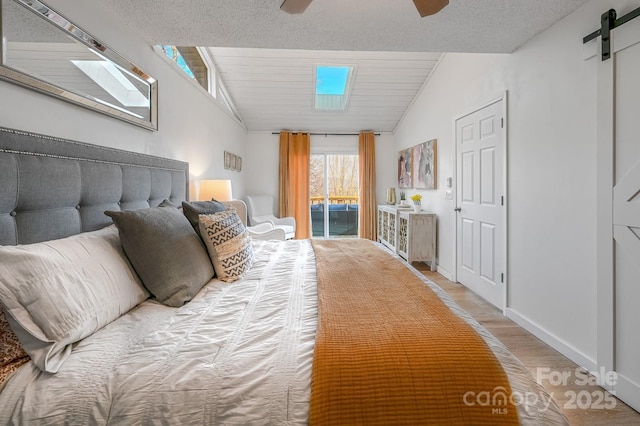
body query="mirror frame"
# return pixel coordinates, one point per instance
(78, 34)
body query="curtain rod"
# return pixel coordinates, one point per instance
(328, 134)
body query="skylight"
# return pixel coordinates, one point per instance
(332, 87)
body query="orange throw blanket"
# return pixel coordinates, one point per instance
(389, 352)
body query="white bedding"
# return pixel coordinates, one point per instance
(239, 353)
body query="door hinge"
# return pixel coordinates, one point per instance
(502, 277)
(502, 123)
(502, 200)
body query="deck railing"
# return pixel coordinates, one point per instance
(336, 199)
(342, 213)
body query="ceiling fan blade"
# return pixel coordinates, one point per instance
(430, 7)
(295, 6)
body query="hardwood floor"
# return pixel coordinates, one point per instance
(535, 355)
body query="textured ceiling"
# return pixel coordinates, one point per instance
(497, 26)
(266, 57)
(20, 24)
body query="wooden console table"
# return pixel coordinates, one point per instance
(411, 235)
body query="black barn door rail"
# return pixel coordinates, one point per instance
(608, 22)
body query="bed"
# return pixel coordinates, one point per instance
(252, 348)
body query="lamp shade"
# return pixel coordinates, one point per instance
(218, 189)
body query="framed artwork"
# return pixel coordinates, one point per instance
(404, 169)
(424, 165)
(232, 162)
(227, 160)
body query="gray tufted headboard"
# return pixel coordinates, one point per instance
(52, 188)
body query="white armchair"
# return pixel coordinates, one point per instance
(260, 209)
(263, 231)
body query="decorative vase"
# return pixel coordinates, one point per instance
(417, 207)
(391, 196)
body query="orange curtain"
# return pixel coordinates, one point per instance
(368, 208)
(295, 149)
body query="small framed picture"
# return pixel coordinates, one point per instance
(239, 164)
(227, 160)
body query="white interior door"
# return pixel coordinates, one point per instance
(480, 229)
(619, 212)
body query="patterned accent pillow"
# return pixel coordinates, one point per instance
(12, 356)
(228, 244)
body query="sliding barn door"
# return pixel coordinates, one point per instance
(619, 212)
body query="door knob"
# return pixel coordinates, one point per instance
(457, 209)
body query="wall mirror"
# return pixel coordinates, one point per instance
(44, 51)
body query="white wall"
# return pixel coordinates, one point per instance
(263, 158)
(551, 171)
(460, 83)
(386, 176)
(192, 127)
(261, 164)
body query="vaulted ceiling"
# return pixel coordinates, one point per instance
(392, 48)
(274, 89)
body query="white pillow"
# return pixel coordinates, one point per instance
(228, 244)
(59, 292)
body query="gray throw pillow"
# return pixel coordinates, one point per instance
(165, 251)
(192, 209)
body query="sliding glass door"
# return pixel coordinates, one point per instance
(333, 187)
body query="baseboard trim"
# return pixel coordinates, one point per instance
(444, 272)
(558, 344)
(629, 390)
